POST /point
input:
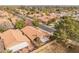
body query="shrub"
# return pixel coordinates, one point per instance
(35, 22)
(7, 51)
(2, 30)
(20, 24)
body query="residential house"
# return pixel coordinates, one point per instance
(14, 19)
(48, 18)
(35, 15)
(51, 47)
(15, 41)
(5, 24)
(28, 22)
(36, 35)
(5, 14)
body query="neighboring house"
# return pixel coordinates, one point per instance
(47, 19)
(14, 19)
(51, 47)
(5, 24)
(37, 15)
(36, 35)
(5, 14)
(28, 22)
(15, 41)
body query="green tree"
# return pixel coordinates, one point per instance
(35, 22)
(67, 28)
(20, 24)
(2, 30)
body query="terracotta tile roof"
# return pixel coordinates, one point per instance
(43, 19)
(28, 22)
(2, 20)
(3, 13)
(32, 32)
(46, 18)
(13, 37)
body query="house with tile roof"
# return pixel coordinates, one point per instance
(14, 19)
(5, 24)
(28, 22)
(48, 18)
(36, 35)
(3, 13)
(15, 41)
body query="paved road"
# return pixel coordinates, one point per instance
(41, 25)
(45, 27)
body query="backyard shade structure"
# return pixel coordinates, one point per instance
(33, 33)
(14, 40)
